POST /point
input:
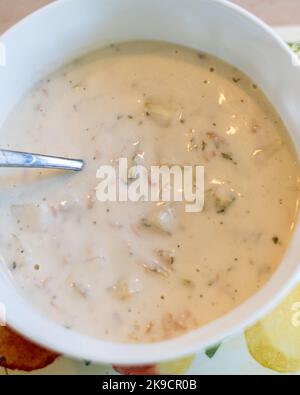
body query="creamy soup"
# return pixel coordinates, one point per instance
(146, 271)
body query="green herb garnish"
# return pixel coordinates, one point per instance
(211, 352)
(228, 156)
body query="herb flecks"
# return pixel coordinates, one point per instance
(223, 204)
(146, 223)
(275, 240)
(228, 156)
(166, 257)
(211, 352)
(188, 283)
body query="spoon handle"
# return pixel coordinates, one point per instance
(36, 161)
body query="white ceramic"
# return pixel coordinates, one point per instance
(289, 33)
(68, 28)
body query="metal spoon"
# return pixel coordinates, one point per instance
(36, 161)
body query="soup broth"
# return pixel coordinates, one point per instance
(146, 271)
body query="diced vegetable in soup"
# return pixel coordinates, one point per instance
(146, 271)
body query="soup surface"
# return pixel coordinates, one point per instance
(146, 271)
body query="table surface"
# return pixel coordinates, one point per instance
(274, 12)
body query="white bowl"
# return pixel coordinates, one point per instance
(66, 29)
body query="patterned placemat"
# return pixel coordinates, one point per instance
(270, 347)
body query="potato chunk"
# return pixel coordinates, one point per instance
(160, 114)
(160, 220)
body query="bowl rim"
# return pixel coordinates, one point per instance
(47, 333)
